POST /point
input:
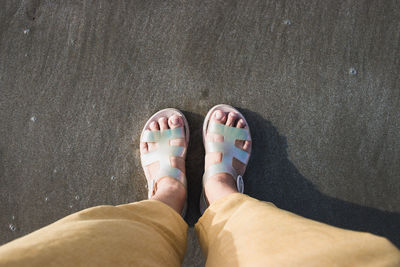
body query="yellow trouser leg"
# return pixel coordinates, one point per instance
(240, 230)
(146, 233)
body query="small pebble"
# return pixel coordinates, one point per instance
(77, 197)
(352, 71)
(12, 227)
(70, 206)
(46, 199)
(33, 118)
(26, 31)
(13, 217)
(55, 171)
(287, 22)
(113, 178)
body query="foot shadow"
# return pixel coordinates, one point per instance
(194, 166)
(272, 177)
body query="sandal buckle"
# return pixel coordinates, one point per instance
(240, 184)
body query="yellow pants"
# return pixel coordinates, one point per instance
(236, 230)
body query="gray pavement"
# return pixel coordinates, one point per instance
(318, 82)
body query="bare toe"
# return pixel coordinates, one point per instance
(231, 119)
(163, 121)
(240, 143)
(154, 127)
(219, 116)
(175, 121)
(247, 146)
(143, 147)
(240, 124)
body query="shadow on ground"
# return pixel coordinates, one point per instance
(272, 177)
(194, 165)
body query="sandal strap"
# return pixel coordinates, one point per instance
(228, 150)
(163, 153)
(229, 133)
(156, 136)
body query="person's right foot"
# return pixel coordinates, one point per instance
(167, 189)
(222, 184)
(163, 123)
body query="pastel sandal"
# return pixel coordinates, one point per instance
(227, 148)
(164, 150)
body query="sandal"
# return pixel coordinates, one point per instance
(227, 148)
(164, 150)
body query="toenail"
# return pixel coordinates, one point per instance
(175, 120)
(153, 123)
(218, 115)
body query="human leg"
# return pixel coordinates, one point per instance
(239, 230)
(146, 233)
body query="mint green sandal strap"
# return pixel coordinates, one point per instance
(163, 153)
(229, 133)
(156, 136)
(232, 152)
(228, 150)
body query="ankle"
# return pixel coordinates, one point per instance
(170, 192)
(169, 184)
(219, 186)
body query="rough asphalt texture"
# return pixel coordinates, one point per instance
(318, 81)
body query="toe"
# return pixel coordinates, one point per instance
(219, 116)
(154, 126)
(247, 146)
(231, 119)
(175, 122)
(240, 143)
(163, 121)
(240, 124)
(143, 147)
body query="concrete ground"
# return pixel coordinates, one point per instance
(318, 82)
